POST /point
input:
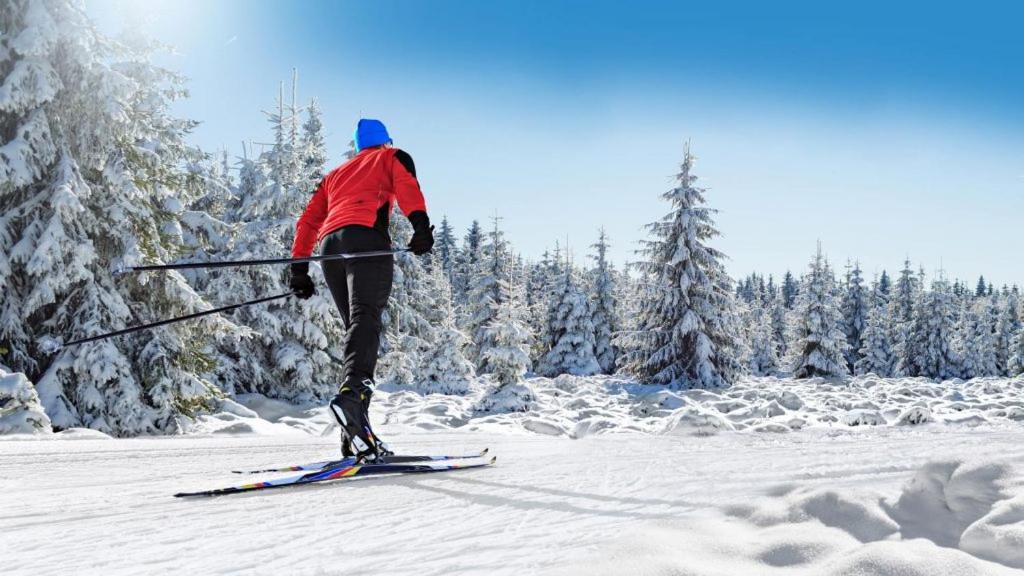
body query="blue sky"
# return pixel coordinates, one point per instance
(884, 131)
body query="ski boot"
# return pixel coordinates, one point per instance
(351, 409)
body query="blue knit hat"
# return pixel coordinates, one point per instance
(370, 133)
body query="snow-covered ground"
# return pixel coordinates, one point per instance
(600, 477)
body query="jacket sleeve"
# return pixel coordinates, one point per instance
(309, 223)
(407, 188)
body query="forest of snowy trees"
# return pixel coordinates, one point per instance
(818, 326)
(96, 172)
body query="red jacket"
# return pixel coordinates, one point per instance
(360, 191)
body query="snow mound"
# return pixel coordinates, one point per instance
(945, 497)
(859, 515)
(81, 434)
(999, 535)
(914, 415)
(861, 417)
(255, 414)
(696, 422)
(953, 517)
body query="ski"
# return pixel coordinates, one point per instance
(393, 459)
(342, 472)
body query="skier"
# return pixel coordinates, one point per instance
(349, 213)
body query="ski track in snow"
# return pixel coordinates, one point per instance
(823, 500)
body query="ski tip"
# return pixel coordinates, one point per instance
(485, 451)
(494, 459)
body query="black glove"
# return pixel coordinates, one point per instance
(300, 281)
(423, 233)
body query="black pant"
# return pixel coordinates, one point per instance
(360, 288)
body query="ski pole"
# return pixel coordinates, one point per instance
(50, 345)
(230, 263)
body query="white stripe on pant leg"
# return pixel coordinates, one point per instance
(339, 414)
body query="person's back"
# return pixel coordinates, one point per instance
(349, 213)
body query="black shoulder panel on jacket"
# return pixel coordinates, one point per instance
(406, 161)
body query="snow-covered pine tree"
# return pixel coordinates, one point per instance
(537, 284)
(1007, 324)
(776, 310)
(974, 341)
(901, 314)
(981, 288)
(762, 347)
(205, 231)
(444, 368)
(92, 173)
(605, 309)
(928, 350)
(572, 336)
(686, 325)
(466, 264)
(1016, 363)
(626, 295)
(312, 330)
(445, 249)
(790, 288)
(854, 306)
(876, 353)
(312, 149)
(242, 363)
(485, 292)
(407, 319)
(817, 341)
(543, 314)
(20, 410)
(507, 351)
(293, 341)
(884, 286)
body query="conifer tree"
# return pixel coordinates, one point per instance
(292, 342)
(901, 313)
(412, 304)
(686, 326)
(975, 339)
(20, 410)
(605, 310)
(312, 151)
(884, 286)
(466, 263)
(981, 288)
(445, 368)
(762, 347)
(92, 174)
(538, 282)
(790, 288)
(485, 293)
(507, 352)
(544, 319)
(817, 342)
(1016, 363)
(445, 250)
(928, 350)
(776, 310)
(572, 333)
(1007, 324)
(876, 353)
(854, 307)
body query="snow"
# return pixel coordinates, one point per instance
(20, 410)
(586, 483)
